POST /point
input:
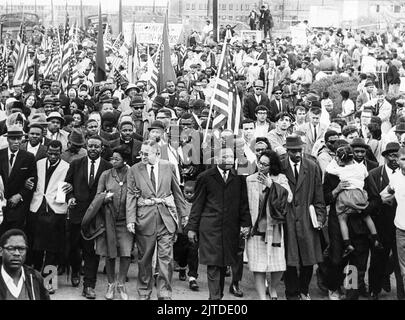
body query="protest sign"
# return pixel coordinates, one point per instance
(152, 32)
(251, 35)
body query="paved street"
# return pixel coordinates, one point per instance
(181, 290)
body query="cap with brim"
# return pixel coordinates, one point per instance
(129, 87)
(359, 143)
(294, 143)
(391, 147)
(156, 125)
(258, 83)
(76, 137)
(55, 115)
(14, 132)
(38, 119)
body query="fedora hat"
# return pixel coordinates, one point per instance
(294, 142)
(157, 125)
(391, 147)
(359, 143)
(14, 131)
(38, 119)
(76, 137)
(56, 115)
(400, 127)
(258, 83)
(129, 87)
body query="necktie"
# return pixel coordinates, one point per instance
(91, 180)
(224, 176)
(278, 105)
(296, 171)
(12, 159)
(152, 178)
(314, 132)
(393, 171)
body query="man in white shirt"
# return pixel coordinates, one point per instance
(277, 136)
(17, 281)
(55, 131)
(397, 185)
(262, 125)
(34, 143)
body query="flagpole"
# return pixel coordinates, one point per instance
(216, 83)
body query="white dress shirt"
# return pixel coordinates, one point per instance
(292, 164)
(258, 98)
(222, 172)
(32, 149)
(9, 156)
(96, 165)
(389, 172)
(15, 290)
(155, 172)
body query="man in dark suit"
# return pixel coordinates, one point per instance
(34, 145)
(303, 243)
(254, 100)
(132, 145)
(220, 196)
(382, 209)
(277, 105)
(16, 167)
(82, 178)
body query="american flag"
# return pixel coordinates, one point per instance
(53, 63)
(133, 58)
(153, 71)
(226, 101)
(118, 43)
(66, 54)
(17, 45)
(73, 71)
(21, 63)
(3, 69)
(107, 39)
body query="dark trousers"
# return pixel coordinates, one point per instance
(237, 267)
(216, 281)
(252, 24)
(91, 260)
(51, 259)
(30, 227)
(378, 269)
(186, 254)
(358, 258)
(296, 284)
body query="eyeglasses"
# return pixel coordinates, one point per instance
(258, 88)
(262, 164)
(278, 93)
(146, 154)
(12, 249)
(262, 112)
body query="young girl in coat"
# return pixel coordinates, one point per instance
(353, 199)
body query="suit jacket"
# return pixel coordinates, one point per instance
(302, 239)
(167, 185)
(78, 177)
(273, 111)
(250, 105)
(370, 165)
(309, 134)
(24, 168)
(218, 212)
(50, 193)
(41, 153)
(383, 215)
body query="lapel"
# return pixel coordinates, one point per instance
(55, 174)
(231, 175)
(218, 176)
(4, 163)
(288, 171)
(254, 189)
(302, 174)
(144, 174)
(86, 170)
(385, 180)
(17, 164)
(101, 168)
(311, 132)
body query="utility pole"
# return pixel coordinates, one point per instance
(282, 12)
(215, 18)
(52, 15)
(154, 6)
(81, 14)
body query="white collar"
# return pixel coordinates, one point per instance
(292, 164)
(15, 153)
(15, 290)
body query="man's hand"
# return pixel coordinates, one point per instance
(72, 202)
(244, 232)
(29, 183)
(184, 221)
(14, 200)
(67, 188)
(131, 227)
(192, 236)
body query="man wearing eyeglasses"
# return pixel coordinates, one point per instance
(382, 109)
(278, 104)
(255, 99)
(18, 281)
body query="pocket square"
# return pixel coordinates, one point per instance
(24, 168)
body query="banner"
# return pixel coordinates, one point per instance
(152, 32)
(251, 35)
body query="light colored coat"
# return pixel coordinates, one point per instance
(167, 185)
(50, 193)
(309, 134)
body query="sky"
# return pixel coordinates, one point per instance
(105, 4)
